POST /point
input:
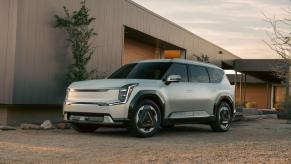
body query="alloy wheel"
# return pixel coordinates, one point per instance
(224, 117)
(146, 119)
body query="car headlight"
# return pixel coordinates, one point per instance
(125, 91)
(68, 91)
(67, 94)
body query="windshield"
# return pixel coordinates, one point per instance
(152, 71)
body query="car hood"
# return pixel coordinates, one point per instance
(110, 83)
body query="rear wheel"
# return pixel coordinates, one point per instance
(223, 118)
(145, 119)
(84, 128)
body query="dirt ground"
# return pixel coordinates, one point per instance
(260, 141)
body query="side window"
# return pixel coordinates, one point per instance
(216, 75)
(179, 69)
(198, 74)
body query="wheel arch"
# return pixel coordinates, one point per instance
(147, 94)
(226, 99)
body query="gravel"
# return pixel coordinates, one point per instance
(258, 141)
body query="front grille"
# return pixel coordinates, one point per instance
(92, 96)
(87, 114)
(89, 117)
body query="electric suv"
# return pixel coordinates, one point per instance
(147, 95)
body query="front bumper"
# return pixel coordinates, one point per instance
(96, 119)
(95, 114)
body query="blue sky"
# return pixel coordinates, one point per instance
(236, 25)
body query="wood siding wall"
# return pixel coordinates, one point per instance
(8, 19)
(42, 54)
(135, 50)
(256, 94)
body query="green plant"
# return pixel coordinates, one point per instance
(77, 26)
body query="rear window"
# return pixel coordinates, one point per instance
(216, 75)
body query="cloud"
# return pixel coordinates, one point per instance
(262, 29)
(198, 21)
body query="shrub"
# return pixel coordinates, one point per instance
(77, 26)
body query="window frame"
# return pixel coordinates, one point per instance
(161, 78)
(205, 68)
(116, 71)
(223, 74)
(187, 72)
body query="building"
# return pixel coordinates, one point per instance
(34, 55)
(258, 86)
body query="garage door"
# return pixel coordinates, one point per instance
(135, 50)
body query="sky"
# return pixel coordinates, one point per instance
(238, 26)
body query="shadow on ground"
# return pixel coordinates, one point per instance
(179, 129)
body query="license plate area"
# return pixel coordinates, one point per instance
(86, 118)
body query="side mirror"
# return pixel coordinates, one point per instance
(173, 78)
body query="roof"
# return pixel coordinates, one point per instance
(261, 68)
(249, 79)
(259, 65)
(184, 61)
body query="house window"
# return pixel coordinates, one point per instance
(170, 54)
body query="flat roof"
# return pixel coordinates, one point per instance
(259, 65)
(249, 79)
(261, 68)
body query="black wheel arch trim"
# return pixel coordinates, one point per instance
(144, 94)
(223, 98)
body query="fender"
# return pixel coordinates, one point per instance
(228, 98)
(151, 94)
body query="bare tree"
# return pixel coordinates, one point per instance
(280, 43)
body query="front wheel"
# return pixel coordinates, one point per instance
(223, 118)
(145, 119)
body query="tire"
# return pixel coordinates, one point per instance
(145, 120)
(223, 118)
(84, 128)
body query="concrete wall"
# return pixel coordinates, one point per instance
(17, 114)
(42, 55)
(3, 115)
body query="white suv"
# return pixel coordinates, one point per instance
(147, 95)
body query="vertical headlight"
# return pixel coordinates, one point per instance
(68, 91)
(125, 91)
(67, 94)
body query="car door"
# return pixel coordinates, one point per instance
(177, 94)
(201, 97)
(216, 87)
